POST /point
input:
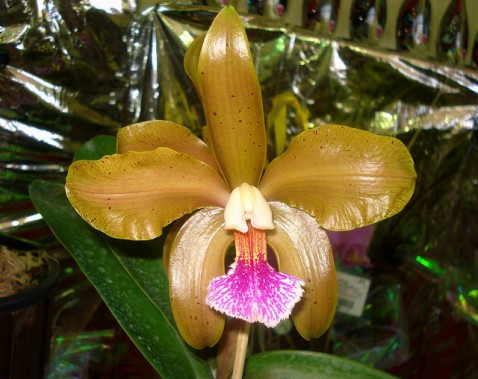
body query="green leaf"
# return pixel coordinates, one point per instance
(143, 260)
(132, 284)
(307, 365)
(96, 148)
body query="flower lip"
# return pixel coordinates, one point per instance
(246, 202)
(252, 290)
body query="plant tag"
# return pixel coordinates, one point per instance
(353, 292)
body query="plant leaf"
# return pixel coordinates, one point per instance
(96, 148)
(307, 365)
(142, 259)
(119, 278)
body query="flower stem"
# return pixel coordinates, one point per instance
(241, 349)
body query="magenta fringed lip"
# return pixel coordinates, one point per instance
(252, 290)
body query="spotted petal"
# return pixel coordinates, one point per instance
(303, 250)
(232, 100)
(149, 135)
(133, 195)
(196, 257)
(345, 177)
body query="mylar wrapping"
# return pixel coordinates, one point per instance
(71, 70)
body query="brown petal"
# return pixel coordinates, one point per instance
(196, 257)
(133, 195)
(149, 135)
(346, 178)
(191, 59)
(303, 250)
(232, 100)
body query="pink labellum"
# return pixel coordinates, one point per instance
(252, 290)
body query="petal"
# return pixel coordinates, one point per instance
(232, 100)
(303, 250)
(191, 59)
(346, 178)
(149, 135)
(133, 195)
(197, 256)
(170, 237)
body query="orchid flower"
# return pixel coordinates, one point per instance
(334, 177)
(350, 247)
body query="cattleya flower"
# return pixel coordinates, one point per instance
(331, 176)
(350, 247)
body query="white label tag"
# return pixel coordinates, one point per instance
(353, 292)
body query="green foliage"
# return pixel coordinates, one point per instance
(96, 148)
(307, 365)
